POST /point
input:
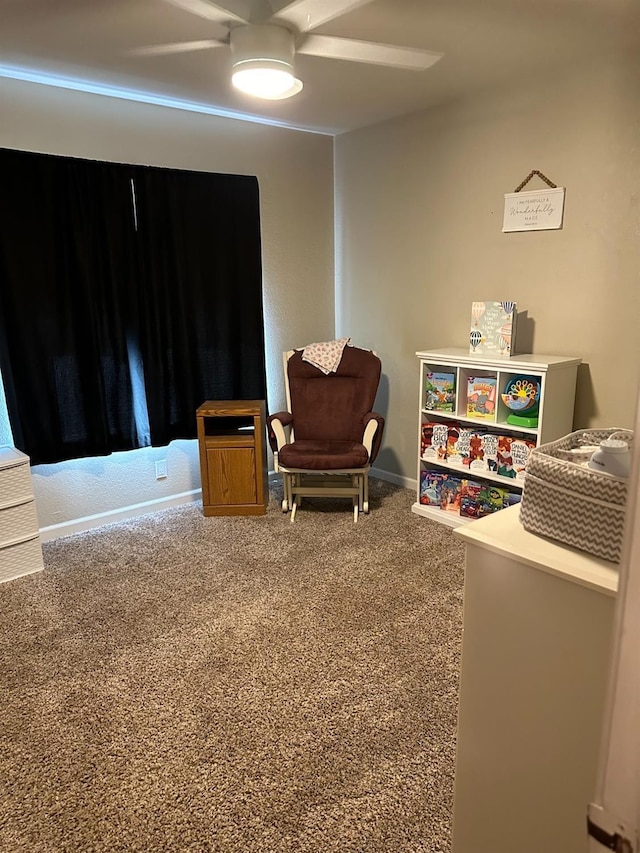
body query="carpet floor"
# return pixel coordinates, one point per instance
(237, 684)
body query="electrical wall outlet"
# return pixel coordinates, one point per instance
(161, 469)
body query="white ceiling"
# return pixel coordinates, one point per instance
(484, 43)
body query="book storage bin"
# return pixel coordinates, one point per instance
(571, 503)
(20, 549)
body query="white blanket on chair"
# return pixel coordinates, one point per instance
(325, 356)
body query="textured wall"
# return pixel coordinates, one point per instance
(295, 172)
(419, 205)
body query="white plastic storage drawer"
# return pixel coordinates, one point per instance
(15, 477)
(18, 523)
(21, 559)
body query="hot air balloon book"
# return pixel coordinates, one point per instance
(493, 328)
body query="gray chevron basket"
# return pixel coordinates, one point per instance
(571, 503)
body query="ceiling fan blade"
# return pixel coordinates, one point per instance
(368, 51)
(304, 15)
(210, 11)
(176, 47)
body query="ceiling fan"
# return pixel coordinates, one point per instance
(263, 46)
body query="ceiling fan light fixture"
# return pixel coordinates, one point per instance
(264, 78)
(262, 57)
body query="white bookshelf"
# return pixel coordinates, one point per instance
(557, 376)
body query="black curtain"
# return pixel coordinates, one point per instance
(105, 267)
(202, 329)
(66, 299)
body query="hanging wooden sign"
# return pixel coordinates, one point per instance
(536, 210)
(540, 210)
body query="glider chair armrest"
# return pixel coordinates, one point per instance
(373, 429)
(276, 429)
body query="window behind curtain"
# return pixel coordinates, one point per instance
(93, 290)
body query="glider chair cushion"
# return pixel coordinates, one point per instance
(334, 435)
(321, 455)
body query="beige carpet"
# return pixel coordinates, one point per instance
(181, 683)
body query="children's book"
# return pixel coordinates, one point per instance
(493, 328)
(458, 447)
(440, 391)
(505, 459)
(475, 459)
(469, 506)
(451, 494)
(514, 498)
(490, 451)
(491, 499)
(481, 397)
(520, 451)
(434, 440)
(483, 452)
(513, 455)
(430, 482)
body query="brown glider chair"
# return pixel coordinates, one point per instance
(326, 442)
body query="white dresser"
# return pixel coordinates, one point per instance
(538, 621)
(20, 549)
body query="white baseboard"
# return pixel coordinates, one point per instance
(396, 479)
(88, 522)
